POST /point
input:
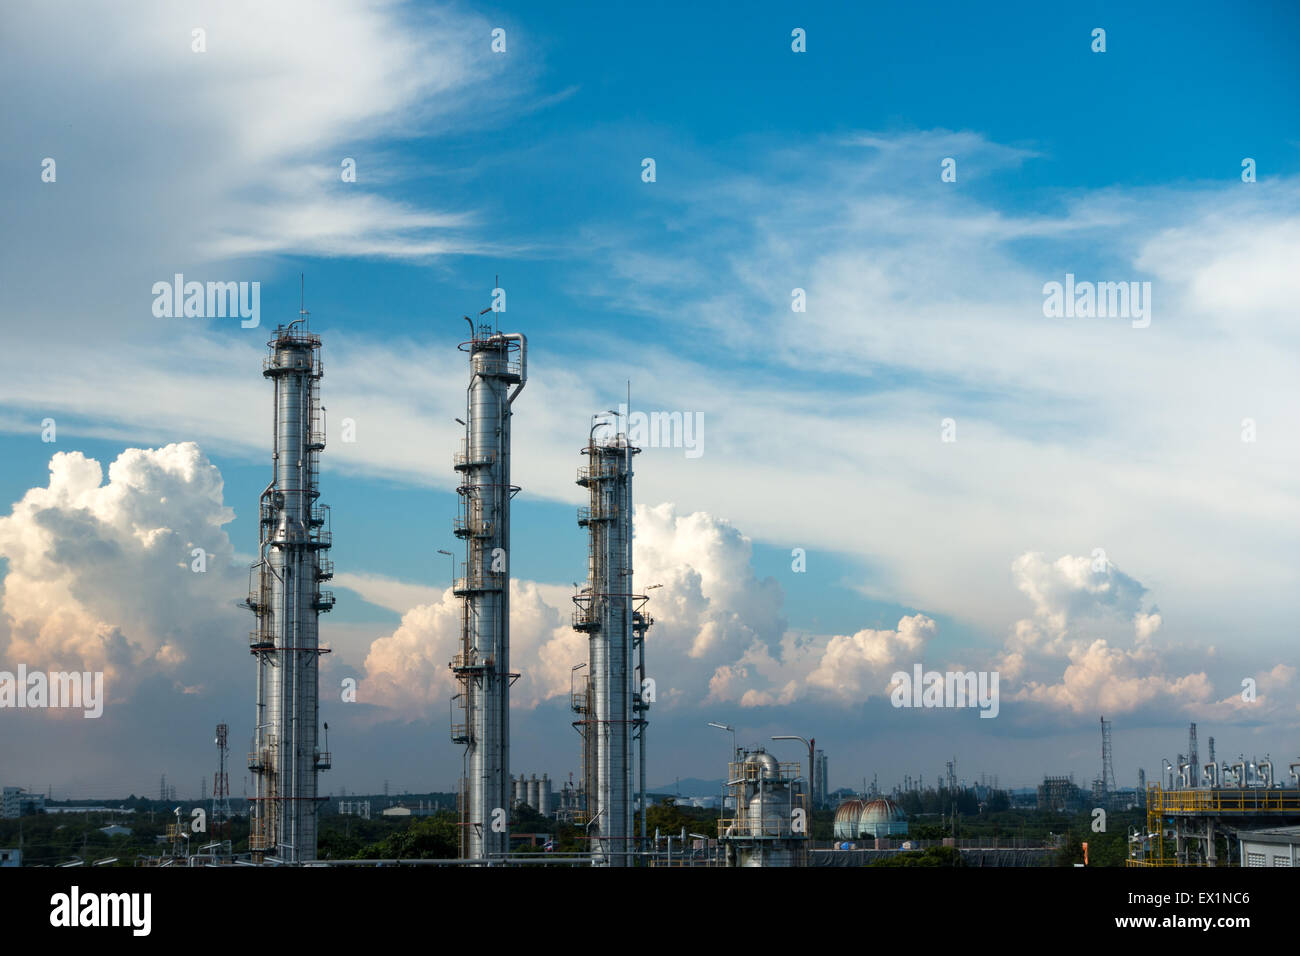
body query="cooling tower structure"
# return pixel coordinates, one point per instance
(498, 370)
(611, 708)
(285, 597)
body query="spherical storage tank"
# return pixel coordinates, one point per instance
(880, 818)
(847, 816)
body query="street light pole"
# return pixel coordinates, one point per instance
(732, 730)
(722, 806)
(452, 562)
(811, 745)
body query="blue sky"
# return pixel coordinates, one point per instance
(775, 170)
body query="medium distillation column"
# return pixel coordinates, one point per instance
(482, 668)
(609, 613)
(286, 598)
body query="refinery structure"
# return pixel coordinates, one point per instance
(1197, 807)
(611, 706)
(498, 372)
(1194, 811)
(770, 823)
(286, 599)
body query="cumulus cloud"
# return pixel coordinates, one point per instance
(834, 669)
(710, 609)
(100, 574)
(853, 667)
(712, 606)
(1261, 696)
(719, 632)
(408, 670)
(1089, 644)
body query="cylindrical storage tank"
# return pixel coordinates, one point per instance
(848, 815)
(534, 785)
(544, 797)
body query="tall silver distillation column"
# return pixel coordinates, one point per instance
(498, 371)
(286, 599)
(609, 612)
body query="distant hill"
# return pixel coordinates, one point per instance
(690, 787)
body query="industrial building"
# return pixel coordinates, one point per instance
(1188, 814)
(610, 705)
(286, 599)
(1278, 846)
(498, 372)
(534, 792)
(20, 803)
(421, 809)
(770, 822)
(765, 811)
(1059, 794)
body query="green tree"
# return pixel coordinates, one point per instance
(428, 838)
(931, 856)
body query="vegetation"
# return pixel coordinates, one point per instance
(51, 839)
(930, 856)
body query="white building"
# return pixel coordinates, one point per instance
(1276, 846)
(405, 810)
(19, 803)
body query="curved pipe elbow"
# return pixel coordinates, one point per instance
(523, 362)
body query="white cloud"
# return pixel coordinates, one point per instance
(1091, 646)
(709, 609)
(385, 592)
(937, 314)
(246, 140)
(853, 667)
(407, 671)
(718, 635)
(100, 574)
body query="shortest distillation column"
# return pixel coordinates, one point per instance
(606, 613)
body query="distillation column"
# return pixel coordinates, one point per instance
(286, 599)
(482, 668)
(609, 613)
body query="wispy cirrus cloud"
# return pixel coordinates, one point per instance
(235, 152)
